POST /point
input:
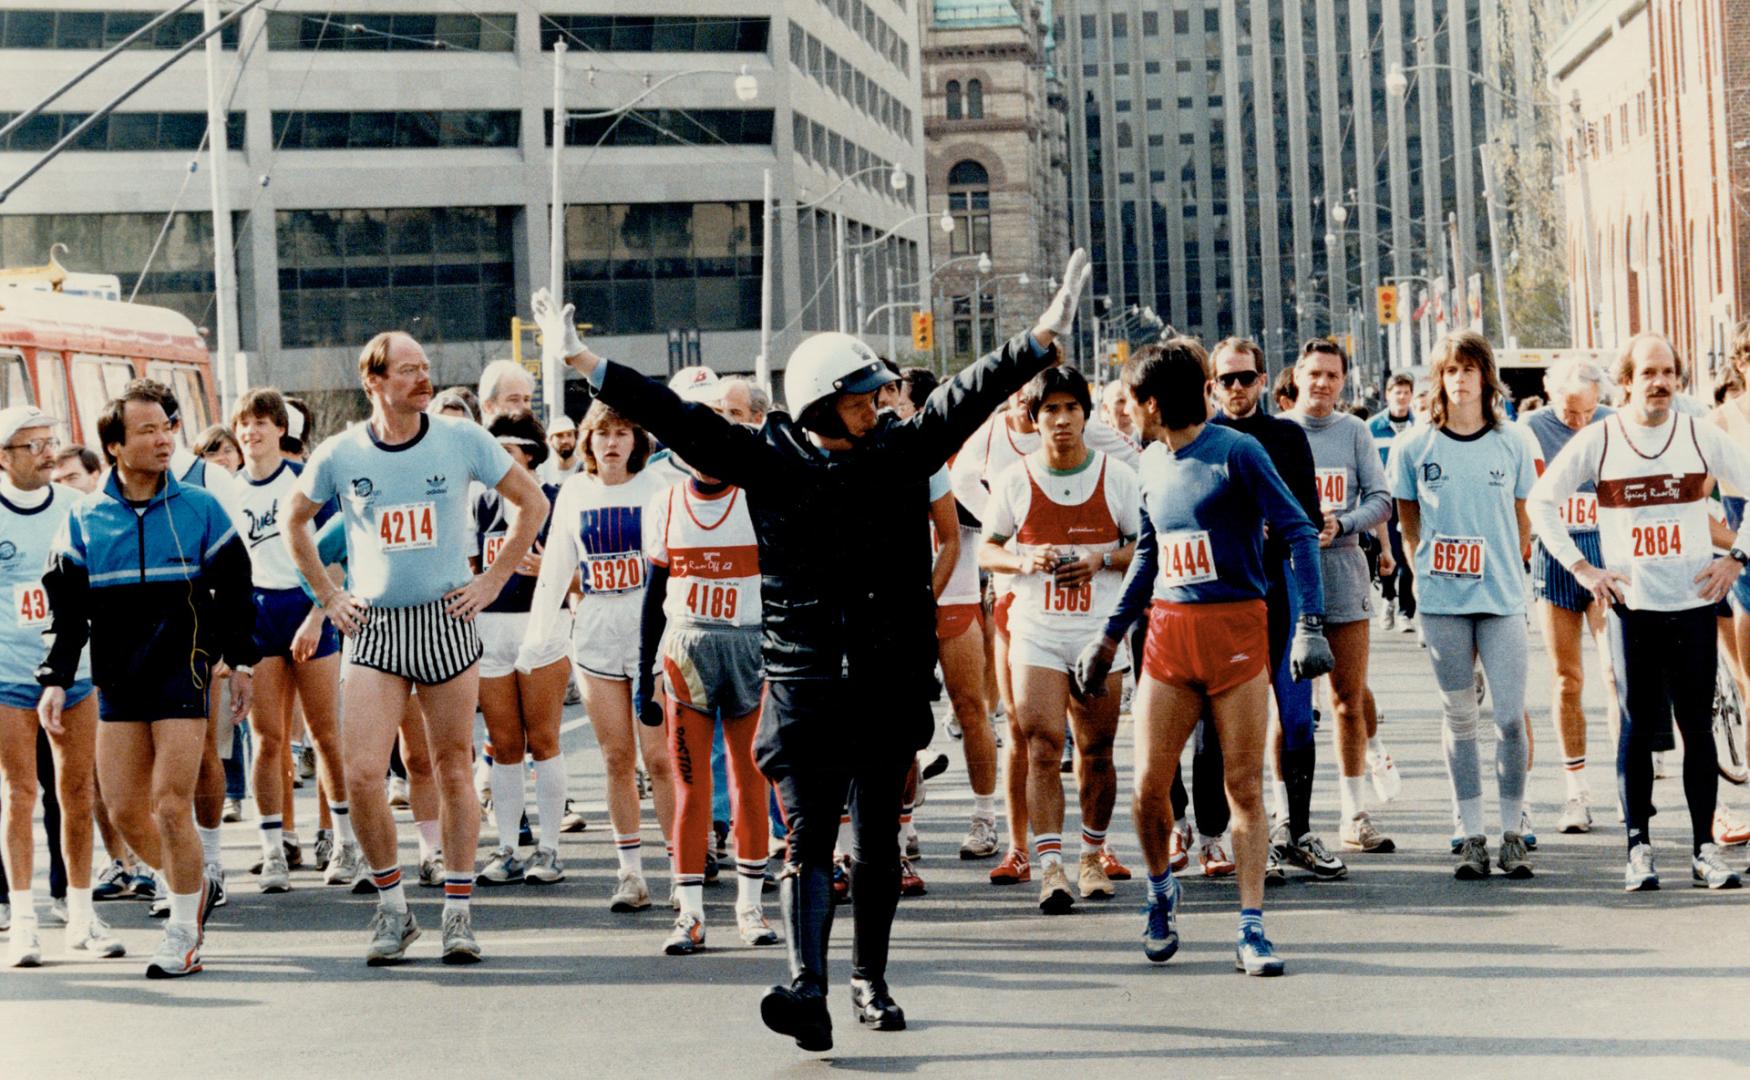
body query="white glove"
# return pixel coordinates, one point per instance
(1060, 315)
(558, 325)
(528, 655)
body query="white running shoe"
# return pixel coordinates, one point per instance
(632, 895)
(502, 867)
(215, 873)
(1388, 617)
(276, 877)
(431, 872)
(1387, 782)
(25, 949)
(398, 796)
(1640, 875)
(751, 923)
(1576, 816)
(687, 937)
(460, 945)
(233, 811)
(346, 866)
(96, 939)
(178, 954)
(391, 933)
(1709, 871)
(57, 915)
(543, 868)
(5, 917)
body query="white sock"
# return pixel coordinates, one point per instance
(24, 907)
(1350, 789)
(1279, 799)
(1375, 749)
(431, 838)
(844, 841)
(78, 907)
(550, 798)
(1576, 782)
(692, 899)
(390, 895)
(1470, 816)
(629, 849)
(747, 890)
(984, 806)
(342, 814)
(507, 801)
(272, 837)
(209, 845)
(185, 908)
(1512, 810)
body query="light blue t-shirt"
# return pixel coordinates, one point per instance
(939, 483)
(1468, 561)
(27, 533)
(409, 530)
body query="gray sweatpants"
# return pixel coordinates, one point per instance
(1455, 642)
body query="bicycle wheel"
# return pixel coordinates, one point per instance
(1729, 745)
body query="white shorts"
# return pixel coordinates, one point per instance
(1056, 652)
(501, 635)
(604, 641)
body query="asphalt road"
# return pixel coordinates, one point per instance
(1398, 970)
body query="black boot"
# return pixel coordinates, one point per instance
(799, 1010)
(874, 1006)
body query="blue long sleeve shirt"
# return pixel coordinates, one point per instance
(1214, 496)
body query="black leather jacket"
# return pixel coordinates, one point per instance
(844, 538)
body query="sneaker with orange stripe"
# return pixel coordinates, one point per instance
(1014, 869)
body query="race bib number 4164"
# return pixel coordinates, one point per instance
(408, 527)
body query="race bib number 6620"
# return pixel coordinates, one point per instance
(408, 527)
(1457, 557)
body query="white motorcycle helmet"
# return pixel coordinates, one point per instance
(828, 364)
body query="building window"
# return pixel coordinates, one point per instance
(645, 33)
(353, 32)
(961, 308)
(477, 129)
(445, 274)
(969, 204)
(101, 30)
(974, 100)
(953, 99)
(181, 274)
(668, 127)
(1151, 24)
(650, 267)
(1120, 25)
(128, 131)
(1125, 142)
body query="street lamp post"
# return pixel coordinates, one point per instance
(897, 181)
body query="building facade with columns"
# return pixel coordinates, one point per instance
(389, 167)
(1656, 172)
(996, 159)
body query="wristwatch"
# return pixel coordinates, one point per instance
(1742, 558)
(1313, 622)
(1106, 560)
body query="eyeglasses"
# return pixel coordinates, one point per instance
(36, 446)
(1231, 379)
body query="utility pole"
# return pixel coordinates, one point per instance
(763, 362)
(552, 364)
(1489, 201)
(225, 340)
(1589, 242)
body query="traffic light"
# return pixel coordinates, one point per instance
(1121, 353)
(1388, 305)
(923, 331)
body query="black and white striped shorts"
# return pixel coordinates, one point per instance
(420, 643)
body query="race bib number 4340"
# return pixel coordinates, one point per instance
(30, 605)
(408, 527)
(1333, 489)
(1186, 558)
(1457, 557)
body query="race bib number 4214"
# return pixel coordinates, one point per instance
(408, 527)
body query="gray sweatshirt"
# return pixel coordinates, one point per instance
(1351, 480)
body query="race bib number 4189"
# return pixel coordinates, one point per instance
(408, 527)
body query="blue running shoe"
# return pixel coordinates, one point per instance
(1254, 955)
(1160, 930)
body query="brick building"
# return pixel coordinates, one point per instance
(1656, 171)
(994, 133)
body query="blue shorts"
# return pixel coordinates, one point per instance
(278, 613)
(1550, 580)
(16, 695)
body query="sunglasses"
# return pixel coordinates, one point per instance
(1231, 379)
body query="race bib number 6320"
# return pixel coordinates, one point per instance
(616, 573)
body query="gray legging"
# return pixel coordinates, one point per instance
(1454, 644)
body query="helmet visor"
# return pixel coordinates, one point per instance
(865, 380)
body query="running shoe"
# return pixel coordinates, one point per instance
(306, 760)
(573, 820)
(910, 884)
(573, 696)
(1361, 834)
(720, 830)
(1254, 955)
(981, 839)
(1576, 816)
(687, 937)
(1640, 875)
(502, 867)
(214, 876)
(1054, 895)
(1729, 829)
(1115, 870)
(346, 867)
(1179, 847)
(1407, 625)
(5, 917)
(483, 783)
(276, 877)
(1091, 879)
(1473, 859)
(1274, 872)
(1387, 782)
(96, 939)
(294, 850)
(24, 949)
(841, 878)
(1659, 772)
(57, 915)
(324, 850)
(431, 871)
(1213, 857)
(1512, 858)
(1160, 928)
(910, 848)
(144, 884)
(113, 883)
(713, 870)
(644, 788)
(233, 811)
(179, 954)
(460, 945)
(1526, 831)
(1068, 764)
(391, 933)
(160, 908)
(1310, 854)
(875, 1007)
(398, 793)
(1014, 869)
(954, 731)
(929, 770)
(1388, 617)
(543, 868)
(1709, 871)
(631, 895)
(751, 924)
